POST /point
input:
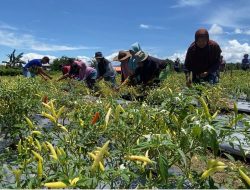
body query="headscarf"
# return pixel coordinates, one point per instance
(207, 59)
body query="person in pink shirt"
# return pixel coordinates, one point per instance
(80, 71)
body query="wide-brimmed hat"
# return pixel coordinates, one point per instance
(98, 54)
(141, 56)
(122, 55)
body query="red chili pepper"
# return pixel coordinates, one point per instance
(45, 99)
(95, 118)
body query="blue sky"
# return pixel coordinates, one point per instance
(79, 28)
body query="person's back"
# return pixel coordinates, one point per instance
(105, 69)
(149, 67)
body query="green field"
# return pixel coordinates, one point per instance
(166, 137)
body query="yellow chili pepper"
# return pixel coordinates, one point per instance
(51, 103)
(59, 113)
(245, 177)
(50, 117)
(58, 151)
(46, 106)
(38, 156)
(99, 156)
(107, 117)
(36, 133)
(55, 185)
(74, 181)
(62, 151)
(205, 107)
(38, 145)
(92, 155)
(213, 163)
(101, 166)
(52, 150)
(40, 169)
(139, 158)
(17, 173)
(62, 127)
(81, 122)
(210, 171)
(30, 124)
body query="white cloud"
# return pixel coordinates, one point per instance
(111, 57)
(29, 56)
(6, 26)
(233, 51)
(146, 26)
(181, 56)
(238, 31)
(26, 41)
(242, 31)
(216, 30)
(193, 3)
(85, 59)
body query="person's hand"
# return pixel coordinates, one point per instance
(203, 74)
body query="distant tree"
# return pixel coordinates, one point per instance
(14, 60)
(57, 63)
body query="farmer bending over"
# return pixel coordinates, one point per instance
(34, 67)
(105, 69)
(148, 69)
(202, 59)
(80, 71)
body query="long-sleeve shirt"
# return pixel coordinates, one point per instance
(33, 63)
(84, 70)
(199, 60)
(107, 68)
(151, 68)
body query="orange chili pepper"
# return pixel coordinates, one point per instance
(95, 118)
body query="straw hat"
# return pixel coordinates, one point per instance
(122, 55)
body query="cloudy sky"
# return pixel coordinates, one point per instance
(79, 28)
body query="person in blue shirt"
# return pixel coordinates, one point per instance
(34, 67)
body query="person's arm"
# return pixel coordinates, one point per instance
(42, 73)
(187, 69)
(127, 80)
(63, 77)
(82, 71)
